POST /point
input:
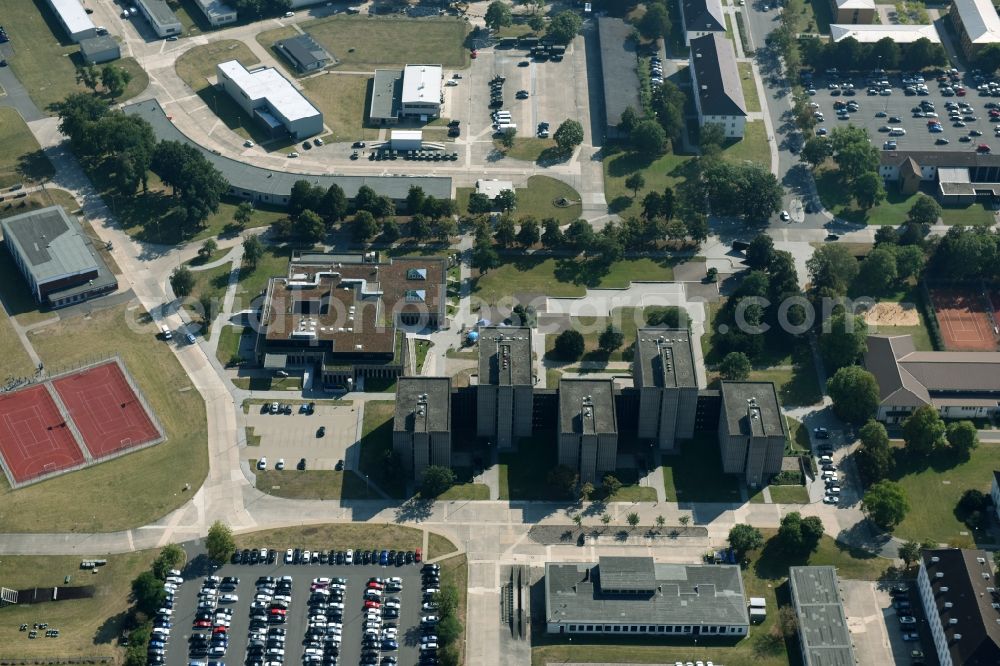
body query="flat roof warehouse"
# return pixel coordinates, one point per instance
(268, 84)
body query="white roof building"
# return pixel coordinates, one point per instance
(491, 188)
(73, 18)
(268, 84)
(980, 20)
(869, 34)
(422, 84)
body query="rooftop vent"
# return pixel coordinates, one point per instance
(939, 574)
(953, 620)
(935, 558)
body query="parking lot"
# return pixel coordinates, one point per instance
(874, 620)
(902, 107)
(294, 436)
(296, 621)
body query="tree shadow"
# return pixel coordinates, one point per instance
(109, 630)
(35, 165)
(551, 156)
(619, 203)
(587, 273)
(414, 509)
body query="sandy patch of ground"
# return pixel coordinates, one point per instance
(892, 314)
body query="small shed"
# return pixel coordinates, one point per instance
(103, 48)
(406, 139)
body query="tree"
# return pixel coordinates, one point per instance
(507, 138)
(745, 190)
(877, 272)
(536, 22)
(649, 138)
(800, 535)
(611, 338)
(504, 234)
(579, 235)
(207, 248)
(77, 115)
(553, 236)
(760, 253)
(655, 23)
(170, 557)
(253, 250)
(586, 491)
(445, 228)
(390, 231)
(506, 200)
(89, 76)
(309, 226)
(415, 198)
(529, 232)
(816, 150)
(833, 267)
(364, 227)
(735, 366)
(923, 431)
(334, 205)
(886, 53)
(874, 456)
(925, 210)
(660, 522)
(909, 261)
(498, 15)
(568, 136)
(115, 80)
(524, 315)
(148, 593)
(219, 543)
(605, 518)
(885, 504)
(448, 630)
(712, 137)
(563, 479)
(635, 182)
(564, 26)
(972, 500)
(744, 538)
(569, 345)
(628, 120)
(868, 190)
(909, 552)
(479, 203)
(182, 281)
(484, 257)
(436, 480)
(684, 519)
(633, 519)
(243, 214)
(843, 342)
(963, 438)
(854, 392)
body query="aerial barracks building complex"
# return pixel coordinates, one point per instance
(752, 431)
(718, 89)
(664, 375)
(421, 427)
(588, 427)
(504, 395)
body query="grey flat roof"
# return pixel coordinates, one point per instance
(302, 50)
(505, 356)
(387, 90)
(768, 421)
(52, 243)
(713, 64)
(664, 358)
(214, 8)
(587, 406)
(423, 404)
(98, 44)
(823, 632)
(618, 68)
(686, 594)
(627, 573)
(160, 11)
(252, 178)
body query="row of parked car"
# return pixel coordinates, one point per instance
(324, 631)
(828, 469)
(163, 621)
(430, 583)
(380, 636)
(268, 614)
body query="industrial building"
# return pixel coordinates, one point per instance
(639, 597)
(716, 80)
(869, 34)
(752, 431)
(260, 185)
(74, 19)
(337, 318)
(421, 426)
(160, 17)
(216, 12)
(387, 88)
(57, 259)
(406, 139)
(421, 95)
(103, 48)
(853, 11)
(588, 427)
(701, 17)
(269, 98)
(976, 23)
(824, 637)
(664, 374)
(303, 52)
(958, 591)
(504, 394)
(619, 60)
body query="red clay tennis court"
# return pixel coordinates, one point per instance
(964, 320)
(34, 438)
(105, 409)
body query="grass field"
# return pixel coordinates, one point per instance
(363, 43)
(752, 147)
(934, 489)
(695, 475)
(536, 199)
(337, 535)
(663, 172)
(789, 495)
(422, 347)
(529, 148)
(466, 492)
(229, 343)
(144, 485)
(252, 283)
(139, 81)
(21, 159)
(627, 320)
(565, 277)
(197, 65)
(16, 362)
(87, 627)
(749, 86)
(318, 484)
(438, 545)
(376, 447)
(342, 99)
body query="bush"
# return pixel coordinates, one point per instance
(569, 345)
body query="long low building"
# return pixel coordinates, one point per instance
(634, 596)
(412, 92)
(869, 34)
(618, 72)
(718, 89)
(824, 637)
(163, 20)
(257, 184)
(955, 177)
(268, 97)
(74, 19)
(217, 12)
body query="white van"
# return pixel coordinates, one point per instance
(166, 332)
(503, 127)
(897, 131)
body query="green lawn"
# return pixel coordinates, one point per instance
(798, 437)
(317, 484)
(934, 489)
(566, 277)
(376, 447)
(139, 81)
(274, 263)
(789, 495)
(752, 147)
(437, 546)
(343, 99)
(921, 335)
(229, 343)
(211, 282)
(362, 43)
(88, 628)
(749, 85)
(466, 491)
(22, 159)
(695, 475)
(627, 320)
(146, 484)
(253, 439)
(817, 15)
(836, 198)
(420, 351)
(197, 65)
(537, 199)
(366, 536)
(665, 171)
(729, 28)
(529, 149)
(16, 362)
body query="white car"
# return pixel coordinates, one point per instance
(288, 556)
(228, 599)
(292, 154)
(785, 216)
(429, 619)
(289, 14)
(280, 464)
(349, 558)
(306, 556)
(248, 144)
(165, 611)
(262, 463)
(831, 499)
(428, 646)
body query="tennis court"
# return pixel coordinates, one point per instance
(35, 439)
(106, 410)
(966, 324)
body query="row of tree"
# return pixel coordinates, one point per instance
(850, 55)
(561, 29)
(114, 79)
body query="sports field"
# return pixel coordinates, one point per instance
(35, 439)
(965, 320)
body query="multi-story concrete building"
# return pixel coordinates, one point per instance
(270, 99)
(958, 591)
(504, 394)
(421, 95)
(421, 427)
(588, 427)
(163, 20)
(752, 431)
(665, 377)
(824, 637)
(718, 89)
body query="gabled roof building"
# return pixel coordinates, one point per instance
(716, 79)
(976, 23)
(853, 11)
(303, 52)
(702, 17)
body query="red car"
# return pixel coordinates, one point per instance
(372, 585)
(982, 148)
(279, 611)
(372, 604)
(219, 630)
(417, 555)
(201, 624)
